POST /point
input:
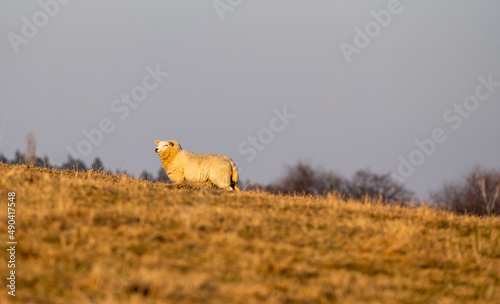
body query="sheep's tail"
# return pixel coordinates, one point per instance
(234, 175)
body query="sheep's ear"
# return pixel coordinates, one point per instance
(157, 141)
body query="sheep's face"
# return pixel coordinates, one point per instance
(163, 146)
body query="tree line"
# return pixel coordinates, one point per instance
(77, 165)
(477, 193)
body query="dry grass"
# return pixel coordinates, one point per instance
(97, 238)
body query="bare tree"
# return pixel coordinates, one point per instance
(366, 185)
(97, 165)
(451, 197)
(478, 193)
(3, 159)
(145, 175)
(74, 164)
(31, 149)
(489, 202)
(302, 178)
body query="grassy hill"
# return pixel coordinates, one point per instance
(98, 238)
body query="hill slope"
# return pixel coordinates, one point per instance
(97, 238)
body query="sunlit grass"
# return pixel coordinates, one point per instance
(98, 238)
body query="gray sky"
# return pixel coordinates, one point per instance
(67, 68)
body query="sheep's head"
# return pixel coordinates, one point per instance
(165, 146)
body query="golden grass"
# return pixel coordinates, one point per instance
(98, 238)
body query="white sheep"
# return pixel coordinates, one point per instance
(184, 166)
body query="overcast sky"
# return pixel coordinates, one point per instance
(346, 85)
